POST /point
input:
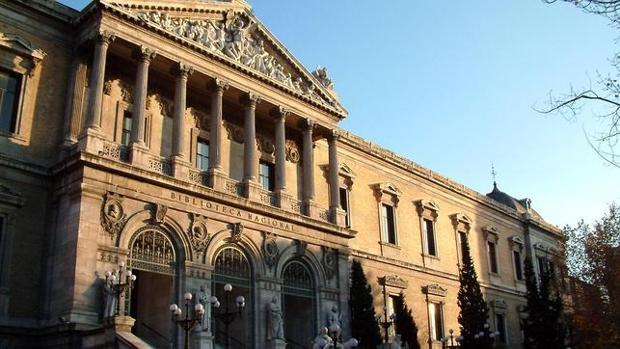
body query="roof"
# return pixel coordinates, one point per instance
(521, 206)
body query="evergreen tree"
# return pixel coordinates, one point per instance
(405, 324)
(364, 325)
(544, 327)
(474, 312)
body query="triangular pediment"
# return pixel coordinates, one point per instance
(229, 30)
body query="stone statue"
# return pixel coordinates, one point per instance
(109, 298)
(203, 298)
(335, 319)
(323, 340)
(275, 323)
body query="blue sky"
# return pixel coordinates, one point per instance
(451, 85)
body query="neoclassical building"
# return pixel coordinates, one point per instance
(181, 139)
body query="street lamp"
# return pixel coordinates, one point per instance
(120, 281)
(228, 315)
(187, 323)
(445, 340)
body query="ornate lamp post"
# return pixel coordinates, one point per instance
(452, 339)
(486, 335)
(120, 281)
(228, 314)
(187, 323)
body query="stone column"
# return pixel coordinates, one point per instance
(217, 178)
(138, 119)
(92, 138)
(337, 214)
(308, 169)
(283, 197)
(250, 162)
(145, 55)
(180, 166)
(73, 102)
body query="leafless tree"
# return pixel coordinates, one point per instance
(604, 95)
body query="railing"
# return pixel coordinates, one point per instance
(296, 206)
(161, 165)
(234, 187)
(324, 215)
(199, 177)
(268, 197)
(115, 151)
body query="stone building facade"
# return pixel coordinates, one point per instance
(182, 139)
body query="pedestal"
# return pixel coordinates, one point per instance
(338, 216)
(389, 346)
(180, 168)
(311, 209)
(217, 179)
(276, 344)
(91, 141)
(252, 190)
(202, 340)
(122, 323)
(284, 200)
(138, 154)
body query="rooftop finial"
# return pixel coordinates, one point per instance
(494, 174)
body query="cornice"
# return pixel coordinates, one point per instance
(403, 163)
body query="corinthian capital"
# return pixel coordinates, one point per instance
(218, 85)
(250, 100)
(280, 113)
(145, 54)
(183, 70)
(105, 37)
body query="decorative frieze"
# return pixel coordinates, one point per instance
(112, 216)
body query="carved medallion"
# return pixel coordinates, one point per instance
(292, 151)
(113, 218)
(198, 233)
(270, 249)
(234, 132)
(301, 247)
(158, 213)
(265, 144)
(330, 261)
(235, 232)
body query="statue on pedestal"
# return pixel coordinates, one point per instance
(109, 298)
(275, 322)
(323, 340)
(203, 298)
(334, 320)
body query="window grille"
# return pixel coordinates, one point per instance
(232, 266)
(152, 250)
(297, 279)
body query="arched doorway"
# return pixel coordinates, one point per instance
(152, 258)
(232, 267)
(298, 295)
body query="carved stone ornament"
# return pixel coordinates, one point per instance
(435, 290)
(265, 144)
(112, 217)
(292, 151)
(320, 73)
(301, 247)
(499, 304)
(393, 281)
(237, 38)
(270, 249)
(235, 232)
(158, 213)
(198, 233)
(330, 261)
(126, 89)
(234, 132)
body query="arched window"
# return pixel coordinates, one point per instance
(298, 303)
(232, 266)
(151, 250)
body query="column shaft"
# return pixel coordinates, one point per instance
(215, 125)
(334, 185)
(308, 162)
(250, 165)
(180, 100)
(140, 92)
(97, 75)
(280, 182)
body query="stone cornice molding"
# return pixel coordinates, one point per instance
(393, 280)
(426, 205)
(386, 188)
(461, 222)
(435, 290)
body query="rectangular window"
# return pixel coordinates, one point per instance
(127, 124)
(436, 318)
(429, 229)
(389, 229)
(492, 257)
(518, 265)
(542, 265)
(202, 155)
(500, 326)
(344, 204)
(391, 311)
(462, 238)
(10, 86)
(266, 175)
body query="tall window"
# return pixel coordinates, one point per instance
(518, 265)
(126, 132)
(344, 205)
(542, 265)
(266, 176)
(429, 231)
(202, 155)
(393, 302)
(491, 249)
(462, 237)
(10, 85)
(500, 326)
(389, 228)
(436, 320)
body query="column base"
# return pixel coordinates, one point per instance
(252, 190)
(91, 141)
(217, 179)
(180, 168)
(338, 216)
(138, 154)
(202, 340)
(284, 200)
(122, 323)
(311, 209)
(276, 344)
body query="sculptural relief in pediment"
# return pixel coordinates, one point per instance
(240, 38)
